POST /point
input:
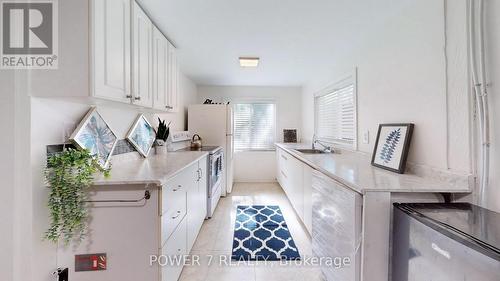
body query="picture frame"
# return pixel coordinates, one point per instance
(392, 146)
(289, 135)
(142, 135)
(95, 135)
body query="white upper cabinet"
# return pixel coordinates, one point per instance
(172, 80)
(165, 74)
(142, 54)
(130, 60)
(111, 50)
(160, 70)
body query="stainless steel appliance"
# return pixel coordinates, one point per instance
(445, 242)
(215, 175)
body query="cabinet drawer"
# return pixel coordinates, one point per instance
(173, 195)
(171, 218)
(174, 249)
(284, 159)
(174, 191)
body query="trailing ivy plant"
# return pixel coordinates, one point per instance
(69, 174)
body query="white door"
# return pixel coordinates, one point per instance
(160, 53)
(173, 80)
(142, 58)
(111, 50)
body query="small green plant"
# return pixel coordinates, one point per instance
(163, 131)
(69, 174)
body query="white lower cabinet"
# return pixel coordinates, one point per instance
(183, 210)
(307, 184)
(296, 185)
(174, 250)
(197, 204)
(295, 179)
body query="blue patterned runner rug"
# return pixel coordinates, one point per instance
(261, 233)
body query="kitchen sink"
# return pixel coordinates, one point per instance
(312, 151)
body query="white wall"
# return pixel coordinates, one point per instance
(7, 144)
(51, 116)
(259, 166)
(49, 119)
(493, 67)
(15, 171)
(408, 71)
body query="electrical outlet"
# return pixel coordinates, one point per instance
(67, 130)
(366, 137)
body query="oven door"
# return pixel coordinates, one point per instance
(215, 171)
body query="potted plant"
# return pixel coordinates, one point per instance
(69, 174)
(161, 137)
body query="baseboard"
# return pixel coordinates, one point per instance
(254, 180)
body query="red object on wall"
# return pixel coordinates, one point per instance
(90, 262)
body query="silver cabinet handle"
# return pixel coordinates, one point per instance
(176, 216)
(283, 156)
(169, 107)
(283, 174)
(201, 172)
(179, 187)
(137, 98)
(128, 96)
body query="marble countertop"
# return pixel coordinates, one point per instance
(155, 169)
(354, 170)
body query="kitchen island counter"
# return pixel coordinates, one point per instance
(132, 169)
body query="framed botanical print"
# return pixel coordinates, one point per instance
(289, 135)
(94, 134)
(391, 147)
(142, 135)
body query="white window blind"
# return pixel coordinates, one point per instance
(254, 126)
(336, 115)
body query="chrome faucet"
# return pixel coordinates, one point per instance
(315, 141)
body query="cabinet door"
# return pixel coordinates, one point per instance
(202, 190)
(142, 58)
(173, 80)
(196, 208)
(296, 185)
(336, 226)
(284, 174)
(111, 50)
(278, 167)
(307, 173)
(160, 53)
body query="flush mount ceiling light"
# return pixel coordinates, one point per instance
(249, 61)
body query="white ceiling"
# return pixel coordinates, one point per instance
(293, 38)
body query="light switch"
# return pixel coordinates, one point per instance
(366, 137)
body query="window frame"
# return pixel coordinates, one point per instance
(255, 101)
(345, 80)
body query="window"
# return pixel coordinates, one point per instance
(336, 113)
(254, 126)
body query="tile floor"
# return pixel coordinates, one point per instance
(214, 243)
